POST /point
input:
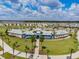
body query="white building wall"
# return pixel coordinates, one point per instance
(17, 35)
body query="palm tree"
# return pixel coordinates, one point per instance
(43, 47)
(41, 39)
(26, 50)
(33, 40)
(47, 52)
(6, 31)
(8, 40)
(14, 46)
(71, 51)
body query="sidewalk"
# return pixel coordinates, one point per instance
(1, 52)
(1, 57)
(8, 49)
(36, 54)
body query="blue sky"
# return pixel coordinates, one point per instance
(69, 2)
(59, 10)
(66, 2)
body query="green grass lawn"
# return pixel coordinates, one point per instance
(76, 58)
(1, 49)
(21, 42)
(11, 40)
(9, 56)
(55, 47)
(60, 47)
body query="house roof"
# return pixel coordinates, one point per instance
(16, 31)
(19, 31)
(61, 32)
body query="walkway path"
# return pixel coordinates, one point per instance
(1, 57)
(1, 52)
(23, 54)
(78, 35)
(10, 50)
(36, 54)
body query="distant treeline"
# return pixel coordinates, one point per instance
(39, 21)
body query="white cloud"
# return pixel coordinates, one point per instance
(23, 1)
(6, 11)
(74, 9)
(44, 11)
(52, 3)
(73, 6)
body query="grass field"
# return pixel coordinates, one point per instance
(11, 40)
(55, 47)
(60, 47)
(21, 42)
(9, 56)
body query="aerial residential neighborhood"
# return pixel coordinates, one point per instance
(39, 29)
(37, 40)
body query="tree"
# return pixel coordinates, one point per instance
(8, 40)
(71, 51)
(6, 31)
(47, 52)
(33, 40)
(41, 39)
(70, 34)
(14, 46)
(26, 50)
(43, 47)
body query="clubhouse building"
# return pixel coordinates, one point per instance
(26, 33)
